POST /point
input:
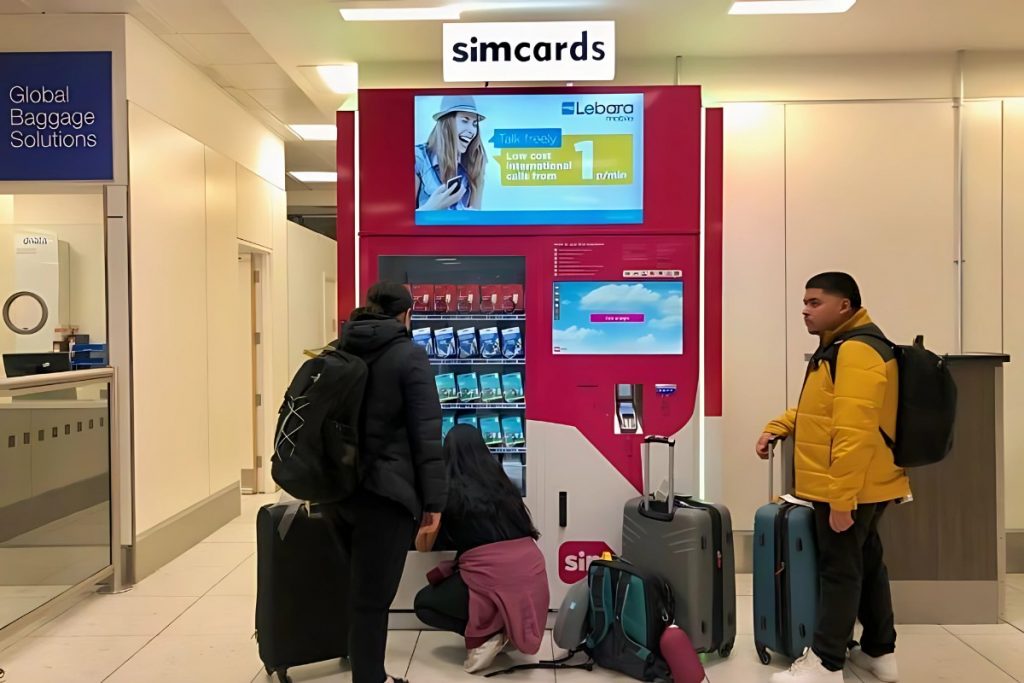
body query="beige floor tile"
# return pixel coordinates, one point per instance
(217, 615)
(196, 659)
(439, 658)
(117, 615)
(983, 630)
(228, 555)
(179, 581)
(743, 666)
(940, 659)
(745, 615)
(1005, 651)
(401, 645)
(241, 532)
(241, 580)
(68, 660)
(1015, 581)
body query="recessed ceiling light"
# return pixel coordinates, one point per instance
(442, 13)
(317, 131)
(791, 6)
(340, 78)
(314, 176)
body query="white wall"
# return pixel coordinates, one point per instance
(162, 81)
(205, 175)
(312, 259)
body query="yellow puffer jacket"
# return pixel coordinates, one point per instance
(840, 456)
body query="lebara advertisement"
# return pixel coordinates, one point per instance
(618, 318)
(529, 159)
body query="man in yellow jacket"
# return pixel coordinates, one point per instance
(844, 465)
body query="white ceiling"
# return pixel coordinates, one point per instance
(262, 51)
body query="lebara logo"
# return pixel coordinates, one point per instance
(612, 111)
(574, 558)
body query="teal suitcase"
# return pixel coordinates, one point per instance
(785, 577)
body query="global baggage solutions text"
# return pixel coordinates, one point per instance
(32, 129)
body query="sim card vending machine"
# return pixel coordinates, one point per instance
(551, 240)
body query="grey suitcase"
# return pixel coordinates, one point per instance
(691, 547)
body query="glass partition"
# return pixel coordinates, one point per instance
(55, 486)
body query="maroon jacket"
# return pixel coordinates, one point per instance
(508, 591)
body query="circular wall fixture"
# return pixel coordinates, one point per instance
(25, 313)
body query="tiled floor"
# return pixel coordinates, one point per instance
(193, 621)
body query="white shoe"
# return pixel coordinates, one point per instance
(808, 669)
(883, 668)
(479, 658)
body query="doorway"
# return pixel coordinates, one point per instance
(251, 268)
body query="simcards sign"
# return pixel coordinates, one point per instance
(530, 51)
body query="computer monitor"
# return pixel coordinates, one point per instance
(25, 364)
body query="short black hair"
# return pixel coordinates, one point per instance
(837, 284)
(389, 299)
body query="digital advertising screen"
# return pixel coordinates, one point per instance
(618, 318)
(529, 159)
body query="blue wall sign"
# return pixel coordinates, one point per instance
(56, 116)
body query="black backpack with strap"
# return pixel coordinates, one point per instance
(316, 444)
(629, 609)
(926, 412)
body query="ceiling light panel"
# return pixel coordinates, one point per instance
(442, 13)
(791, 6)
(314, 176)
(315, 131)
(342, 79)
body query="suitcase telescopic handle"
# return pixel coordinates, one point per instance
(772, 443)
(645, 501)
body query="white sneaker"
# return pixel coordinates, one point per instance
(479, 658)
(883, 668)
(808, 669)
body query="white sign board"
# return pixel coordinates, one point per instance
(530, 51)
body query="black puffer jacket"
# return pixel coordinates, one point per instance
(401, 438)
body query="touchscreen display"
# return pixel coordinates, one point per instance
(617, 318)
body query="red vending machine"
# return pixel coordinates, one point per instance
(551, 239)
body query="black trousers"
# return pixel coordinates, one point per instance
(376, 534)
(854, 585)
(445, 606)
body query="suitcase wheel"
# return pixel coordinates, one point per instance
(282, 676)
(762, 654)
(726, 649)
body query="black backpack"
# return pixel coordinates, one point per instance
(630, 609)
(316, 444)
(627, 611)
(926, 412)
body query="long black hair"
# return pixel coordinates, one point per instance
(479, 487)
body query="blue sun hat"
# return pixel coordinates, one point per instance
(451, 104)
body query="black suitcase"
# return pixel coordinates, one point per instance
(302, 596)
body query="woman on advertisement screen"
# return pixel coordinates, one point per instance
(450, 166)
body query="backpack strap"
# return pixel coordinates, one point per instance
(621, 596)
(876, 340)
(562, 663)
(830, 353)
(600, 604)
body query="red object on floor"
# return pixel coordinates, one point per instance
(682, 660)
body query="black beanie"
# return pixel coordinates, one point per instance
(393, 299)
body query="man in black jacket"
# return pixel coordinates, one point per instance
(404, 484)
